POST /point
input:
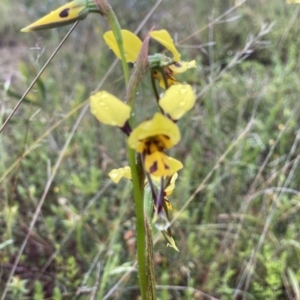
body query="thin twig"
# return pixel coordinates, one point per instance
(38, 75)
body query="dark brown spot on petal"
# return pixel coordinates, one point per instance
(153, 168)
(178, 65)
(147, 146)
(166, 167)
(158, 145)
(64, 13)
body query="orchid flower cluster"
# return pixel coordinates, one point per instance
(151, 170)
(153, 137)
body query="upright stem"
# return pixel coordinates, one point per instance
(107, 11)
(116, 28)
(136, 167)
(138, 194)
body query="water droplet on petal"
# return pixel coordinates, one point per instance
(182, 103)
(183, 91)
(162, 223)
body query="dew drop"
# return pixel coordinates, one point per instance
(182, 103)
(162, 223)
(183, 91)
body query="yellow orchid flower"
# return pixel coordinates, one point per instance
(164, 38)
(109, 110)
(132, 46)
(117, 174)
(66, 14)
(175, 165)
(178, 100)
(171, 70)
(150, 138)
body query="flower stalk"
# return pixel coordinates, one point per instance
(114, 24)
(137, 172)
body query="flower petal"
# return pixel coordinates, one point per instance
(175, 165)
(182, 66)
(170, 79)
(178, 100)
(164, 38)
(170, 240)
(170, 188)
(159, 125)
(109, 110)
(157, 164)
(117, 174)
(167, 203)
(132, 44)
(66, 14)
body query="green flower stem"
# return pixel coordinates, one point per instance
(115, 27)
(144, 238)
(136, 168)
(154, 85)
(92, 7)
(138, 194)
(114, 24)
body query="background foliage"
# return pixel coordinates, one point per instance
(238, 235)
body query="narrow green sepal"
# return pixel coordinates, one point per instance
(170, 240)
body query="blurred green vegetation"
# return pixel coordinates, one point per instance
(238, 237)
